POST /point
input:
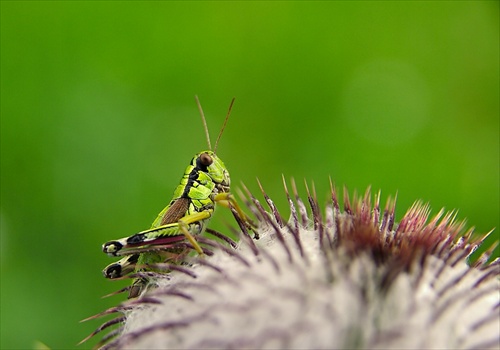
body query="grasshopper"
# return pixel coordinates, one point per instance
(205, 183)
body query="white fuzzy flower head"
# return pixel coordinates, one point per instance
(341, 279)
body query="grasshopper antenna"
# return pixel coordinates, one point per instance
(225, 122)
(207, 134)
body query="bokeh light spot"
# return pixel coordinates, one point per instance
(386, 102)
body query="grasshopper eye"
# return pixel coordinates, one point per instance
(205, 159)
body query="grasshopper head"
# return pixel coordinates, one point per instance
(208, 162)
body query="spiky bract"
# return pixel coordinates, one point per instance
(338, 279)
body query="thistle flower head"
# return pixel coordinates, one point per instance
(333, 278)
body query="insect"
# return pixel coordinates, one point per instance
(205, 183)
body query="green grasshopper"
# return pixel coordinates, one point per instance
(204, 183)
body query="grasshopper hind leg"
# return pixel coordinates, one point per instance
(147, 262)
(122, 267)
(137, 287)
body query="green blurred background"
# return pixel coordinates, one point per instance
(98, 123)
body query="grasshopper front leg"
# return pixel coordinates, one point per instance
(227, 200)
